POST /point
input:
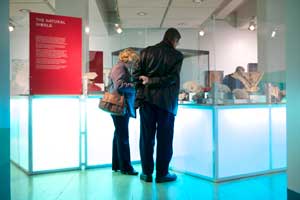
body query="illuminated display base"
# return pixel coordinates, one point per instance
(221, 143)
(56, 133)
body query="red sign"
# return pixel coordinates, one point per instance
(55, 54)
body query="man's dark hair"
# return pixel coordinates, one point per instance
(171, 35)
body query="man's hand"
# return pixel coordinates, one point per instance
(144, 79)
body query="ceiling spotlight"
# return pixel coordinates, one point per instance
(201, 33)
(141, 13)
(273, 34)
(252, 24)
(11, 27)
(119, 30)
(87, 30)
(116, 25)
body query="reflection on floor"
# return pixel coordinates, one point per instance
(98, 184)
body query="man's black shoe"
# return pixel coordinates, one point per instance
(167, 178)
(131, 172)
(146, 178)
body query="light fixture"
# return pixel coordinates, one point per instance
(119, 30)
(252, 24)
(87, 30)
(251, 27)
(201, 33)
(198, 1)
(273, 34)
(24, 10)
(11, 27)
(141, 13)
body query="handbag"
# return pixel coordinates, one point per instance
(113, 103)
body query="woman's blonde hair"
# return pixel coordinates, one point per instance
(128, 55)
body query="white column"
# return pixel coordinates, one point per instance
(293, 93)
(4, 102)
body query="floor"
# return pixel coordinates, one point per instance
(98, 184)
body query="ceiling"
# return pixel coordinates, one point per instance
(18, 9)
(159, 13)
(166, 13)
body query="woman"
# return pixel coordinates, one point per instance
(122, 83)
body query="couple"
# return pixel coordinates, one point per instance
(155, 93)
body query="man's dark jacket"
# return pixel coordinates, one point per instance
(162, 64)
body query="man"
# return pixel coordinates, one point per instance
(157, 98)
(235, 80)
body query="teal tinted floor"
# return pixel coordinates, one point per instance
(98, 184)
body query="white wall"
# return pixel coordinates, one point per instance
(229, 47)
(19, 59)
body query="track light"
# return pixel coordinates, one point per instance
(252, 24)
(118, 28)
(273, 34)
(251, 27)
(11, 27)
(87, 30)
(201, 33)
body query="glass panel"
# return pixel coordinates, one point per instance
(271, 49)
(241, 145)
(19, 52)
(100, 131)
(19, 131)
(55, 133)
(279, 145)
(193, 141)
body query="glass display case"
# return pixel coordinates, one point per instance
(193, 75)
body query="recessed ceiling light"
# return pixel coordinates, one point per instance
(141, 13)
(23, 10)
(198, 1)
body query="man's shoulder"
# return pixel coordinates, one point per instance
(178, 54)
(148, 48)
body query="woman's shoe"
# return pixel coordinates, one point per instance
(131, 172)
